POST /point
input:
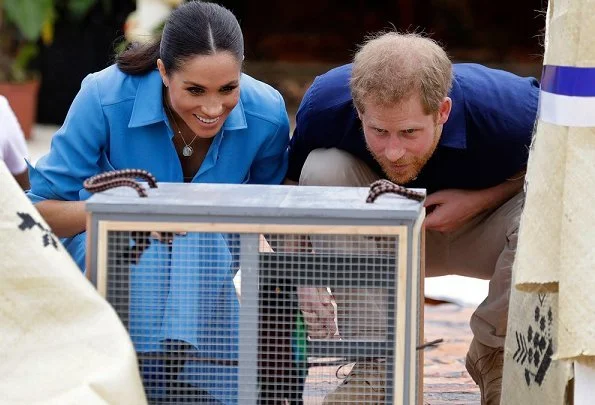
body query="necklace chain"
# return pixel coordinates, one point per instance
(187, 150)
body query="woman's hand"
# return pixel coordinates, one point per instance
(166, 237)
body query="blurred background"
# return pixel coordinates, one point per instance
(287, 42)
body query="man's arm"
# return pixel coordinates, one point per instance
(450, 209)
(495, 196)
(505, 130)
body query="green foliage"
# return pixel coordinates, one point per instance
(24, 24)
(26, 54)
(79, 8)
(29, 16)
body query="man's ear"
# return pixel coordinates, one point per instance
(162, 72)
(444, 110)
(359, 114)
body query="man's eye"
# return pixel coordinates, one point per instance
(380, 130)
(409, 131)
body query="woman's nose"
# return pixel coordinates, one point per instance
(212, 110)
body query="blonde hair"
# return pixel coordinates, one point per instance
(390, 67)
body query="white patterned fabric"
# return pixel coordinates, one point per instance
(60, 342)
(551, 318)
(557, 232)
(531, 374)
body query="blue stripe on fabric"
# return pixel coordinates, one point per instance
(569, 80)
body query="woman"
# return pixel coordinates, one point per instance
(181, 109)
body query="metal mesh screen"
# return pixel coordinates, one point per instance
(246, 318)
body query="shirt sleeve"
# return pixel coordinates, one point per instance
(503, 124)
(515, 129)
(304, 139)
(270, 165)
(75, 149)
(13, 147)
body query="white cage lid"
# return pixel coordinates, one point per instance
(255, 200)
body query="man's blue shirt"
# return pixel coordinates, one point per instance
(485, 140)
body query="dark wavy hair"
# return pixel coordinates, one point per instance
(194, 28)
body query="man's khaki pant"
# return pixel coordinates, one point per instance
(483, 248)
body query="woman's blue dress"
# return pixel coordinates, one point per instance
(184, 292)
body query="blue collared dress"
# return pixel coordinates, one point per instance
(117, 121)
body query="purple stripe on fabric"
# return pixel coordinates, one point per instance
(568, 80)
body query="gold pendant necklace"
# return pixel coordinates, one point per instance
(187, 150)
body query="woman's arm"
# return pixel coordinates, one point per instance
(57, 179)
(65, 218)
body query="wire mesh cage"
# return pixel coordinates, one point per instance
(242, 294)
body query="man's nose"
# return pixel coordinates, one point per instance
(394, 149)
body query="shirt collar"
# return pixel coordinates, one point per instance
(148, 106)
(454, 133)
(236, 118)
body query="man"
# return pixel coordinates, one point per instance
(13, 149)
(402, 111)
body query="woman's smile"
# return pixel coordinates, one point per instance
(207, 121)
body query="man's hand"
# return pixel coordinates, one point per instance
(448, 210)
(319, 312)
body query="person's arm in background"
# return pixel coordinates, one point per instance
(57, 179)
(13, 149)
(23, 179)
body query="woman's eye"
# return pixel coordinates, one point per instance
(228, 89)
(196, 90)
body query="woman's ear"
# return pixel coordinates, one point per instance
(162, 72)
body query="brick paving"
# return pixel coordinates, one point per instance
(446, 380)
